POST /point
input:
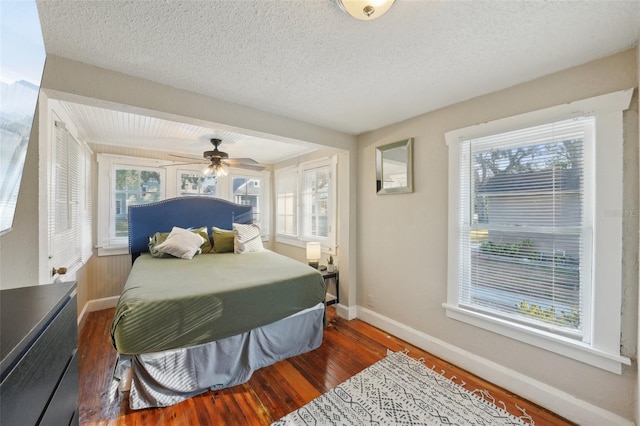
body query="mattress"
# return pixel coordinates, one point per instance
(170, 303)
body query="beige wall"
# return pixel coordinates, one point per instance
(638, 286)
(402, 239)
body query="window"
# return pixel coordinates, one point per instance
(526, 230)
(286, 203)
(315, 203)
(251, 190)
(524, 226)
(306, 208)
(123, 182)
(195, 183)
(69, 203)
(133, 186)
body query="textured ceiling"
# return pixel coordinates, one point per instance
(307, 60)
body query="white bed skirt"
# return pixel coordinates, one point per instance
(166, 378)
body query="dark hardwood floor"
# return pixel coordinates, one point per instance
(272, 392)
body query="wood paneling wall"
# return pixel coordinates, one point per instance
(102, 276)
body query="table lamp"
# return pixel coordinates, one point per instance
(314, 252)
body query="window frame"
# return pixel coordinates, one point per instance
(601, 348)
(299, 239)
(109, 244)
(264, 194)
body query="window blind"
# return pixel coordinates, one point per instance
(86, 212)
(524, 229)
(65, 227)
(287, 202)
(315, 205)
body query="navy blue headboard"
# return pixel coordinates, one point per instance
(185, 212)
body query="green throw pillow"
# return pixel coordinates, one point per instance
(157, 239)
(206, 247)
(222, 240)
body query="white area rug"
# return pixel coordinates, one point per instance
(398, 390)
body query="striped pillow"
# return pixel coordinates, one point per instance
(246, 238)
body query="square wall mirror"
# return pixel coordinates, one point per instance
(394, 167)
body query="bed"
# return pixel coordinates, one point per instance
(183, 327)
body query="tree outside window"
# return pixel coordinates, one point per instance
(133, 187)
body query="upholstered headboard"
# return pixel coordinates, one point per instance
(185, 212)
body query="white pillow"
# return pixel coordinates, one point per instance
(246, 238)
(181, 243)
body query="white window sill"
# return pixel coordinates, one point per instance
(113, 250)
(565, 346)
(296, 242)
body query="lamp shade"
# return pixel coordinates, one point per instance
(314, 251)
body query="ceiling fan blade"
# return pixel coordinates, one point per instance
(186, 157)
(244, 160)
(246, 166)
(182, 164)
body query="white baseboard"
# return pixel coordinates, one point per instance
(97, 305)
(553, 399)
(347, 312)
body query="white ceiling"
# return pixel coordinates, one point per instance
(307, 60)
(122, 128)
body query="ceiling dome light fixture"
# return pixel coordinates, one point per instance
(365, 10)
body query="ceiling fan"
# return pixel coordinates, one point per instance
(219, 161)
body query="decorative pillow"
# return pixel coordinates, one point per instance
(155, 240)
(160, 237)
(206, 247)
(222, 240)
(247, 238)
(181, 243)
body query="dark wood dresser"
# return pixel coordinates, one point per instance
(38, 342)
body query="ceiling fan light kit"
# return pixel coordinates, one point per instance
(216, 168)
(365, 10)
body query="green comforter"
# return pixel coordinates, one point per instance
(169, 303)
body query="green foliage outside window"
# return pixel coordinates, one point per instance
(523, 249)
(550, 314)
(134, 179)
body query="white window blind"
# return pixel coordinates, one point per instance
(315, 202)
(525, 226)
(86, 211)
(65, 226)
(287, 201)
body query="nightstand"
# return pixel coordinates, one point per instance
(328, 276)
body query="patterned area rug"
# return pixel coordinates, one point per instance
(399, 390)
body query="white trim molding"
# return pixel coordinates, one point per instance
(97, 305)
(347, 312)
(556, 400)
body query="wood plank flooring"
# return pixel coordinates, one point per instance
(348, 347)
